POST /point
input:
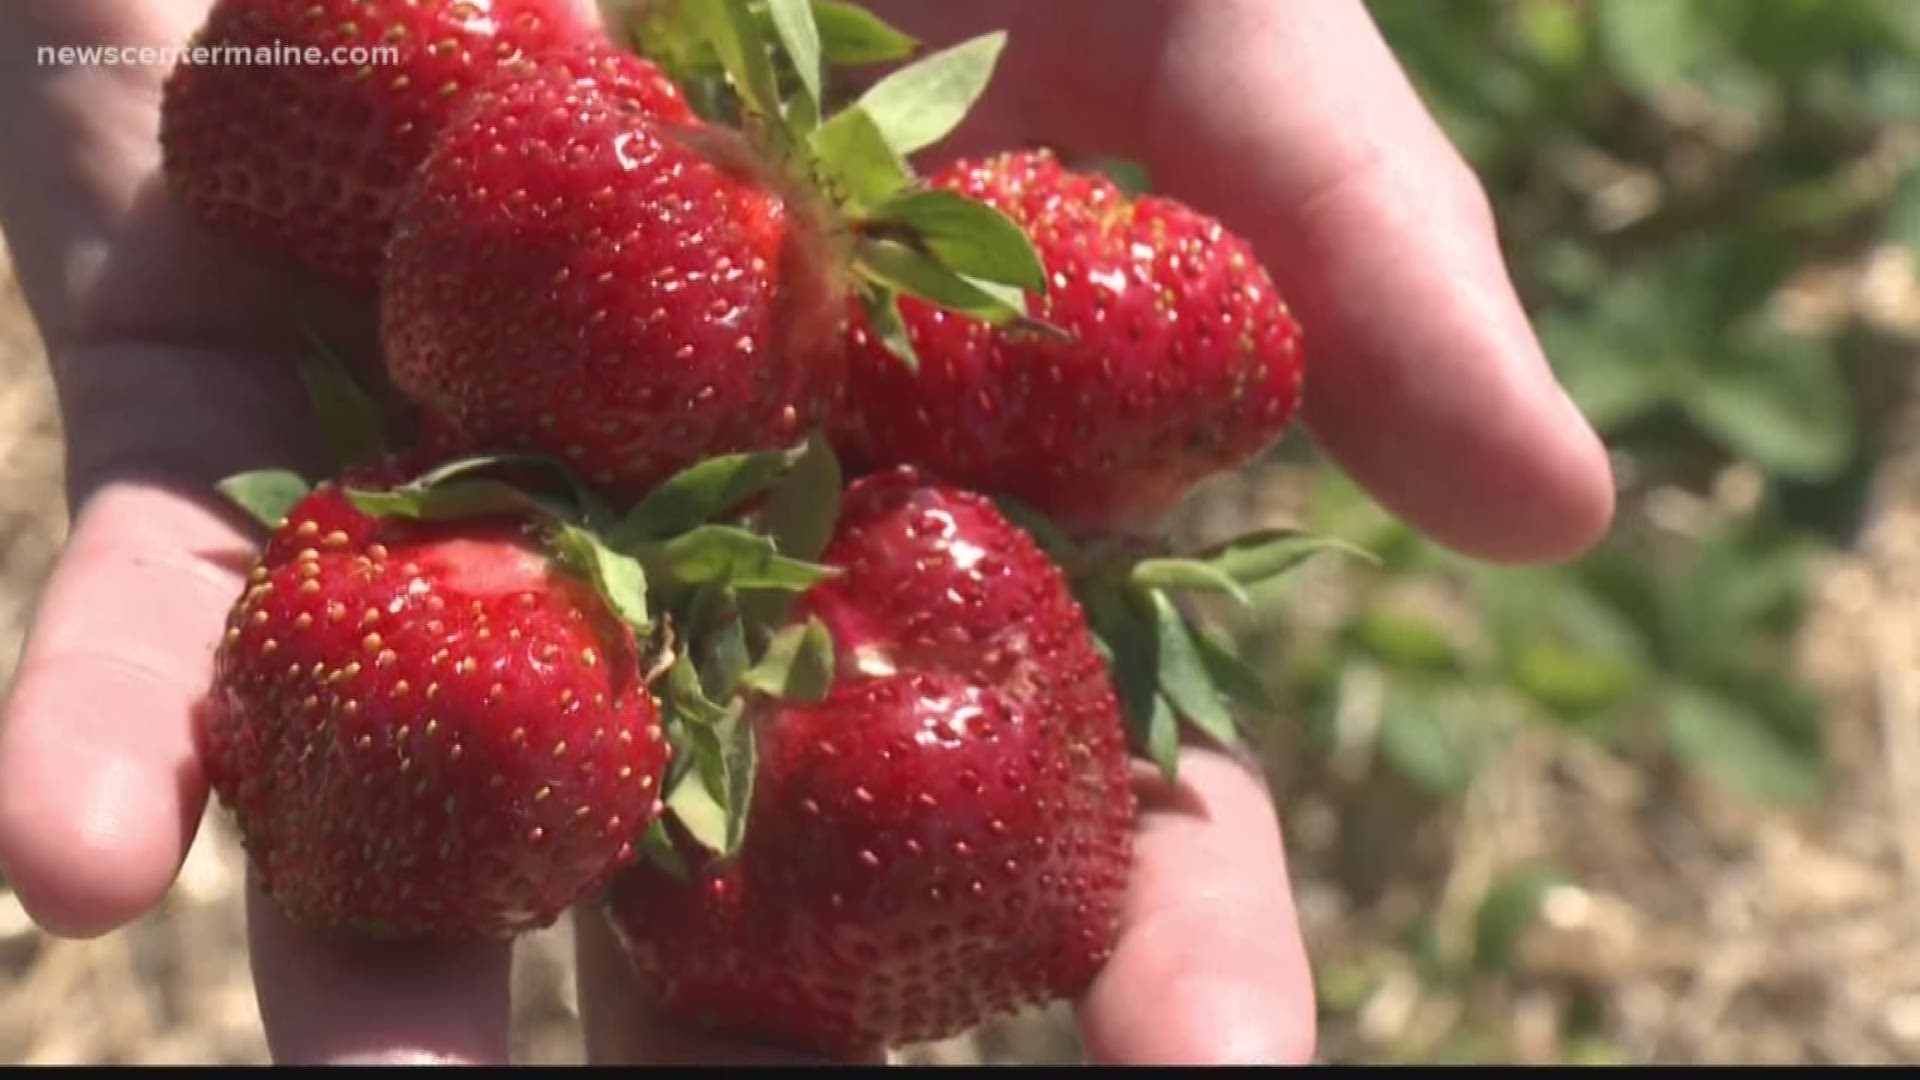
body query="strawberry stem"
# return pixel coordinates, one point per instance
(938, 247)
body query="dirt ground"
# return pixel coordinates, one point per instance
(1700, 930)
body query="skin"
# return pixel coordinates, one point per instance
(1292, 123)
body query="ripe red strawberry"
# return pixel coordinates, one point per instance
(1184, 360)
(577, 274)
(308, 158)
(427, 729)
(945, 837)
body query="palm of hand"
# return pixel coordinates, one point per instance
(173, 357)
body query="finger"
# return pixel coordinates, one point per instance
(1425, 381)
(622, 1026)
(103, 252)
(1210, 968)
(100, 791)
(83, 138)
(100, 786)
(331, 999)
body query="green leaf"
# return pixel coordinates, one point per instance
(1611, 384)
(1744, 582)
(1129, 639)
(883, 315)
(1162, 739)
(1555, 35)
(1652, 44)
(1231, 675)
(704, 491)
(727, 659)
(269, 495)
(743, 760)
(1188, 574)
(1550, 609)
(921, 104)
(691, 721)
(686, 697)
(1265, 554)
(1779, 401)
(859, 165)
(800, 516)
(803, 116)
(1184, 677)
(1010, 297)
(1424, 737)
(350, 423)
(441, 493)
(1623, 583)
(1738, 745)
(904, 270)
(447, 502)
(850, 35)
(715, 627)
(700, 812)
(722, 554)
(442, 502)
(735, 36)
(793, 24)
(1573, 683)
(1339, 506)
(618, 578)
(968, 237)
(1405, 641)
(712, 788)
(1507, 911)
(657, 847)
(1662, 327)
(797, 665)
(803, 510)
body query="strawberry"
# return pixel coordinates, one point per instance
(1180, 359)
(427, 728)
(307, 156)
(944, 837)
(575, 274)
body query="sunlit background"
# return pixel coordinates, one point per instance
(1661, 805)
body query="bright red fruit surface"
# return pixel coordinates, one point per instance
(427, 730)
(575, 275)
(1184, 360)
(298, 137)
(945, 837)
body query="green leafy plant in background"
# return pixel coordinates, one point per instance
(1688, 334)
(1759, 135)
(1664, 171)
(1685, 650)
(1751, 126)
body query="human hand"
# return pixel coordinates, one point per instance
(1290, 122)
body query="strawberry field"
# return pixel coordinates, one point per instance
(1661, 804)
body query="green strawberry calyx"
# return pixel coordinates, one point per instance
(704, 570)
(1168, 666)
(760, 64)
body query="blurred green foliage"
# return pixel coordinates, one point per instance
(1661, 170)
